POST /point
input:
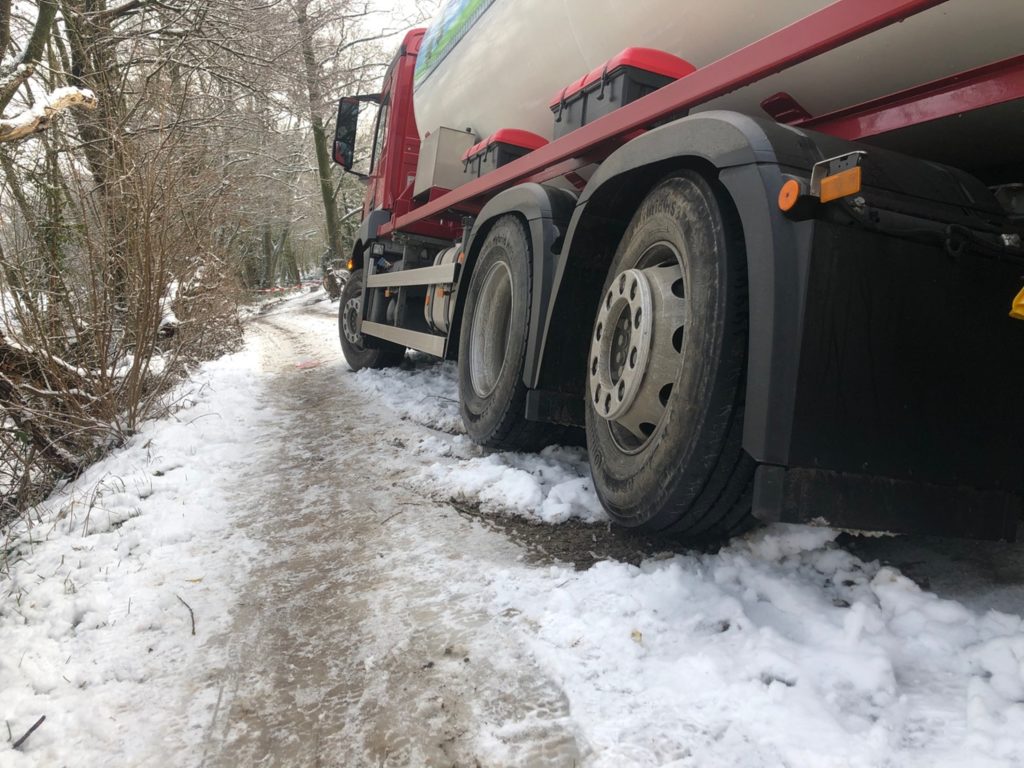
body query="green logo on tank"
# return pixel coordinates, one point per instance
(456, 18)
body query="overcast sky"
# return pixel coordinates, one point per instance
(409, 11)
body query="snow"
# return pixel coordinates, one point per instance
(783, 648)
(552, 486)
(94, 628)
(421, 390)
(169, 320)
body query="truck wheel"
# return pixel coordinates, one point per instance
(495, 328)
(360, 351)
(667, 365)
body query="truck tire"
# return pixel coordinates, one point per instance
(495, 329)
(361, 352)
(667, 368)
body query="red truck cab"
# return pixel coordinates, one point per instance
(393, 168)
(395, 149)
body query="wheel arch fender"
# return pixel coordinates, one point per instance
(357, 254)
(744, 155)
(545, 211)
(367, 233)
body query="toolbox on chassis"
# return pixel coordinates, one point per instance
(761, 314)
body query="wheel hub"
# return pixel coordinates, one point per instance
(350, 321)
(621, 344)
(636, 348)
(492, 320)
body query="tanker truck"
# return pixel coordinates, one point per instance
(767, 257)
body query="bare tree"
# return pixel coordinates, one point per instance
(197, 165)
(341, 54)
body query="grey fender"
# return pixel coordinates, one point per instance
(546, 211)
(368, 229)
(748, 157)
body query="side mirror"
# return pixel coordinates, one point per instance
(345, 132)
(346, 129)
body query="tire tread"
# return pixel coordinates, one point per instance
(512, 431)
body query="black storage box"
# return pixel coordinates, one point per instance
(630, 75)
(501, 148)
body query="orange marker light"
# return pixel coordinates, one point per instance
(351, 265)
(842, 184)
(789, 195)
(1017, 309)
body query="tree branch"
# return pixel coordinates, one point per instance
(39, 117)
(40, 32)
(25, 64)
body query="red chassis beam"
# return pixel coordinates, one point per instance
(986, 86)
(837, 24)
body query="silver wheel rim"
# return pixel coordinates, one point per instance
(350, 321)
(492, 320)
(637, 347)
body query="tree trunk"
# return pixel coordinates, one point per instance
(323, 158)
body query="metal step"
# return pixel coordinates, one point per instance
(444, 273)
(422, 342)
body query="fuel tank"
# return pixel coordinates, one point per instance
(491, 64)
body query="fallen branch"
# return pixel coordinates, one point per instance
(40, 117)
(29, 732)
(389, 518)
(190, 613)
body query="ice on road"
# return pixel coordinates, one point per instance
(305, 566)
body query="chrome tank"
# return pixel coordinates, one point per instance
(490, 64)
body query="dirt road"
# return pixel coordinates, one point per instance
(355, 645)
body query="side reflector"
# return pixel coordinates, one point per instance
(1017, 309)
(350, 265)
(789, 195)
(837, 177)
(842, 184)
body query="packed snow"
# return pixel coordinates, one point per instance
(783, 648)
(421, 390)
(552, 486)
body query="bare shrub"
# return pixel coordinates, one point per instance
(191, 168)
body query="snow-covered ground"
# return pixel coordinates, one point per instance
(101, 583)
(784, 648)
(551, 486)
